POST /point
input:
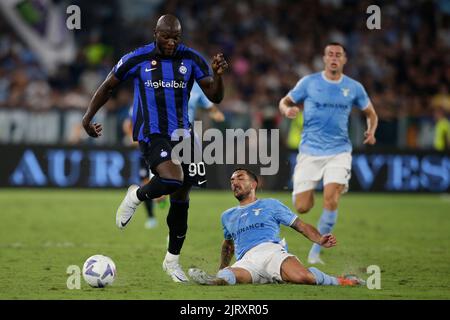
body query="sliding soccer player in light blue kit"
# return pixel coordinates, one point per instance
(251, 230)
(325, 149)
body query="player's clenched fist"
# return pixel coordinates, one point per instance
(369, 138)
(219, 64)
(292, 112)
(93, 129)
(328, 240)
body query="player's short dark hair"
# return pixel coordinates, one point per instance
(250, 173)
(337, 44)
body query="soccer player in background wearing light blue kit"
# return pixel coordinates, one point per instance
(199, 100)
(252, 231)
(325, 148)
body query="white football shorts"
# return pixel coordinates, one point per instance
(264, 262)
(309, 170)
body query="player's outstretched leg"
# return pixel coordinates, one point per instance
(226, 276)
(324, 279)
(294, 272)
(201, 277)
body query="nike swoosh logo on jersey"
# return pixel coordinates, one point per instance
(202, 182)
(151, 69)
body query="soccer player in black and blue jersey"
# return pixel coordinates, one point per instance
(163, 73)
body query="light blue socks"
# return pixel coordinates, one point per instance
(322, 278)
(227, 275)
(326, 224)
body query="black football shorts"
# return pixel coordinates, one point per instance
(159, 150)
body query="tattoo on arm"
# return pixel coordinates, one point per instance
(226, 253)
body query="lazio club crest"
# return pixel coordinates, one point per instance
(345, 91)
(257, 211)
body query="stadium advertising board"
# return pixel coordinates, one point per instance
(98, 167)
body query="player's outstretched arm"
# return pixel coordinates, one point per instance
(327, 240)
(101, 96)
(213, 86)
(226, 253)
(372, 123)
(288, 108)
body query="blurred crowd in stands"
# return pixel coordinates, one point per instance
(269, 44)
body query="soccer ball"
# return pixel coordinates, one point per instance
(99, 271)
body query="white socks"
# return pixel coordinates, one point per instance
(171, 258)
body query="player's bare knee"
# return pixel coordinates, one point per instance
(303, 207)
(303, 202)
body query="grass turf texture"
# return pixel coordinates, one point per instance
(45, 231)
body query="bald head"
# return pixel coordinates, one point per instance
(168, 34)
(168, 23)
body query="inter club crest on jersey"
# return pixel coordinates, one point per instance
(182, 69)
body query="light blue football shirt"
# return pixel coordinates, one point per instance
(326, 109)
(197, 100)
(255, 223)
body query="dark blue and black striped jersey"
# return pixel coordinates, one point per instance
(162, 87)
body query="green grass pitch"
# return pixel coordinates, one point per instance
(42, 232)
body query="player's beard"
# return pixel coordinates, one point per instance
(242, 195)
